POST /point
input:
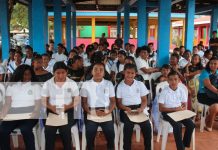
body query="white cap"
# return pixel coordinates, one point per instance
(2, 70)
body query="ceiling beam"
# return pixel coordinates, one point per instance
(173, 2)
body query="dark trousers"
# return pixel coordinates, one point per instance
(26, 128)
(128, 130)
(177, 131)
(64, 131)
(91, 130)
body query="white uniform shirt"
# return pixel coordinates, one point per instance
(141, 63)
(116, 69)
(171, 98)
(200, 53)
(12, 67)
(23, 94)
(98, 94)
(59, 57)
(131, 95)
(59, 96)
(27, 61)
(182, 63)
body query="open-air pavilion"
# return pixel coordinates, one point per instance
(38, 16)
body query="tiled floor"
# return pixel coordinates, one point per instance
(204, 141)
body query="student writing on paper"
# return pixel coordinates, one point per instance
(60, 92)
(98, 98)
(132, 95)
(22, 96)
(172, 99)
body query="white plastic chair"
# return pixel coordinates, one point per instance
(203, 116)
(138, 129)
(17, 132)
(84, 144)
(164, 129)
(74, 133)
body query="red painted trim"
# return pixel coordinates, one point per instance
(109, 31)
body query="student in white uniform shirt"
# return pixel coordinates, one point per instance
(8, 61)
(22, 96)
(47, 63)
(119, 65)
(29, 55)
(98, 98)
(111, 60)
(59, 56)
(132, 95)
(173, 99)
(17, 62)
(60, 92)
(142, 63)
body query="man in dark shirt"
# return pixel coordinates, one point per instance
(213, 43)
(119, 41)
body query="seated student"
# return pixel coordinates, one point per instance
(119, 65)
(87, 56)
(194, 68)
(185, 59)
(75, 68)
(98, 98)
(41, 74)
(112, 60)
(132, 95)
(205, 85)
(22, 96)
(174, 60)
(2, 86)
(17, 62)
(173, 99)
(143, 64)
(8, 61)
(120, 75)
(60, 56)
(208, 54)
(29, 55)
(60, 95)
(97, 57)
(47, 64)
(132, 50)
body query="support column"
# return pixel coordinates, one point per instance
(183, 32)
(164, 21)
(30, 23)
(118, 22)
(93, 29)
(57, 22)
(189, 21)
(214, 18)
(68, 27)
(38, 25)
(126, 22)
(4, 28)
(46, 26)
(74, 28)
(142, 23)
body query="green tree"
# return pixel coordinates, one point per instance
(19, 17)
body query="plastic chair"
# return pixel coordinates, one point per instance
(138, 129)
(17, 132)
(74, 133)
(203, 116)
(164, 130)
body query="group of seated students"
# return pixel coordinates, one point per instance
(111, 79)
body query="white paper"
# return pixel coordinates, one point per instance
(12, 117)
(56, 120)
(181, 115)
(99, 119)
(141, 117)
